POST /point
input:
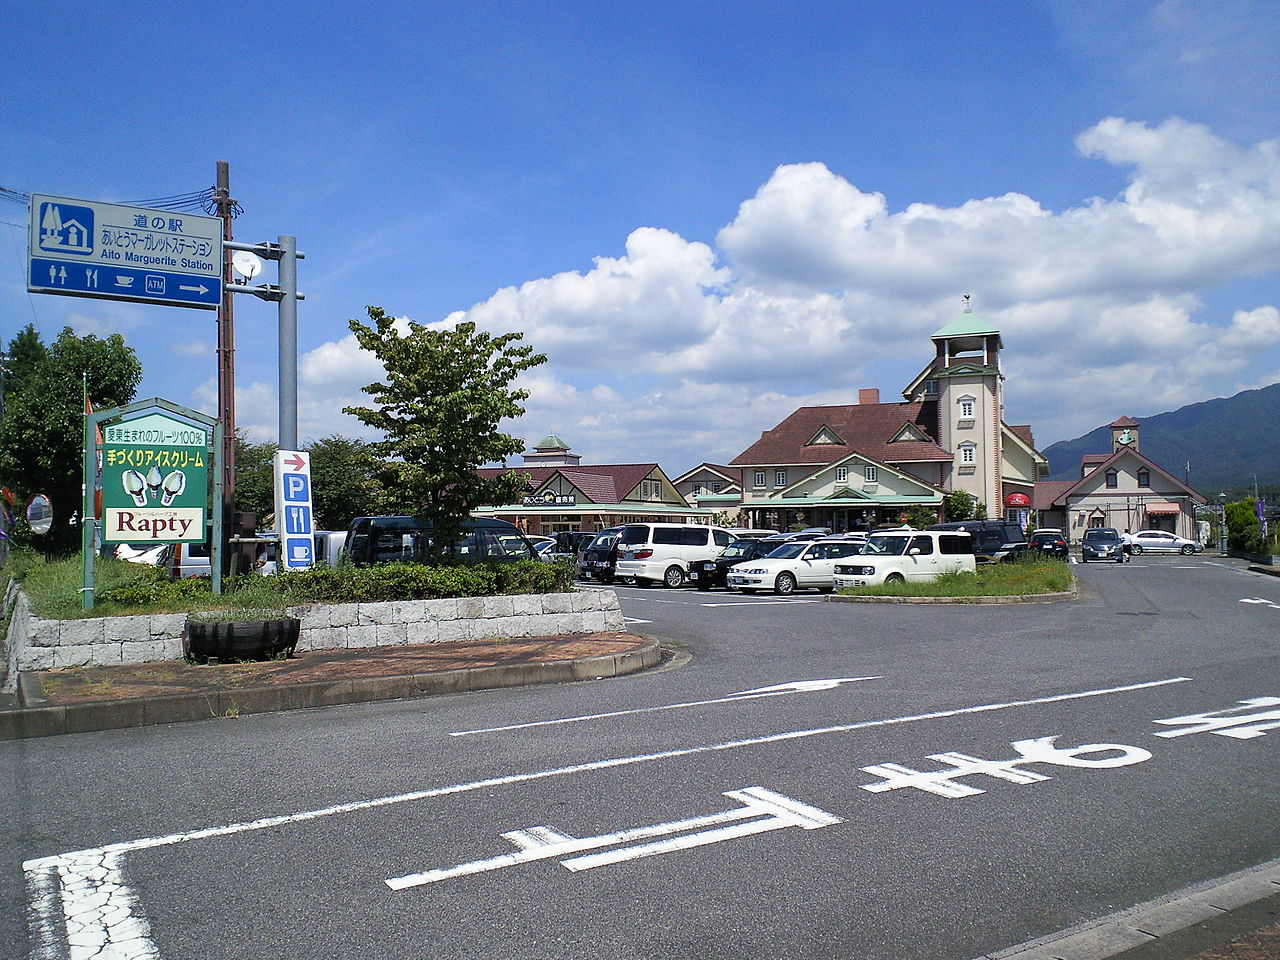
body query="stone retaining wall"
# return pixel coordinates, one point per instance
(38, 644)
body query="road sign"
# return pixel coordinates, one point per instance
(81, 248)
(155, 481)
(295, 524)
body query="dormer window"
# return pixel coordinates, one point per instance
(1113, 479)
(842, 474)
(931, 388)
(1144, 478)
(870, 474)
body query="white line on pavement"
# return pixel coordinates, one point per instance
(799, 686)
(43, 914)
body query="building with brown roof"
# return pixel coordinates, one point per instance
(562, 494)
(858, 465)
(1122, 489)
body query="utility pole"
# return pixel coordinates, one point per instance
(226, 360)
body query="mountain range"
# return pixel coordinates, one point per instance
(1227, 443)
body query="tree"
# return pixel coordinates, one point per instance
(344, 481)
(41, 436)
(26, 352)
(920, 516)
(1244, 532)
(960, 505)
(255, 476)
(446, 391)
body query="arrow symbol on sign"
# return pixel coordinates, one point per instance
(200, 289)
(795, 686)
(297, 462)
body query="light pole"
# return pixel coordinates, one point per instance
(1222, 524)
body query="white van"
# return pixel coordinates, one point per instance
(663, 551)
(900, 556)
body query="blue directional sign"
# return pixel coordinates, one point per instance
(81, 248)
(295, 523)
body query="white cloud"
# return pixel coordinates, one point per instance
(676, 351)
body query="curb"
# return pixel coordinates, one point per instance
(1019, 598)
(1260, 568)
(40, 719)
(1148, 923)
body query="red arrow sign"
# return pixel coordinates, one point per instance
(296, 461)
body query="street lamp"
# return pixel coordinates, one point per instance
(1222, 524)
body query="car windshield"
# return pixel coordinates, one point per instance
(1045, 537)
(789, 551)
(739, 548)
(637, 534)
(886, 546)
(1105, 535)
(604, 540)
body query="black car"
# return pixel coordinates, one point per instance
(1102, 543)
(1050, 544)
(705, 574)
(600, 556)
(994, 541)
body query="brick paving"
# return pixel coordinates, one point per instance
(132, 681)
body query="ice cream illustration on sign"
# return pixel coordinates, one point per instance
(167, 488)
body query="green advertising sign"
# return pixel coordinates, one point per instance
(155, 481)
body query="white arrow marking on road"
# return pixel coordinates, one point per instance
(200, 289)
(50, 915)
(795, 686)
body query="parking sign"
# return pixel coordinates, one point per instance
(295, 524)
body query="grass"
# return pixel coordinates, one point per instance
(1026, 577)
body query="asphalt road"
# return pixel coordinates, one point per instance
(981, 776)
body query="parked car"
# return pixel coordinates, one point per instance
(600, 556)
(795, 565)
(706, 574)
(742, 532)
(1160, 541)
(993, 540)
(147, 553)
(544, 547)
(1050, 543)
(904, 556)
(648, 552)
(1102, 543)
(373, 540)
(570, 543)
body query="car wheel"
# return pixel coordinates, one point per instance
(895, 578)
(1187, 550)
(674, 576)
(785, 583)
(1136, 549)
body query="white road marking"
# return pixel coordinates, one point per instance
(1268, 603)
(547, 843)
(1235, 722)
(756, 603)
(797, 686)
(635, 620)
(45, 921)
(944, 783)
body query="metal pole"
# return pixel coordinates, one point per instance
(226, 358)
(288, 342)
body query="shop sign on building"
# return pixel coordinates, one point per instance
(549, 499)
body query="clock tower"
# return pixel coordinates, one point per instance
(1124, 434)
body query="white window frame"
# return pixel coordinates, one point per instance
(842, 474)
(779, 478)
(966, 408)
(697, 489)
(871, 474)
(760, 478)
(968, 454)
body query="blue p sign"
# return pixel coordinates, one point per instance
(297, 488)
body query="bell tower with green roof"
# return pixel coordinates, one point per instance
(970, 397)
(551, 451)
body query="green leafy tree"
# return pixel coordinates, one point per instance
(1244, 532)
(344, 481)
(445, 394)
(26, 353)
(255, 477)
(41, 435)
(960, 505)
(921, 516)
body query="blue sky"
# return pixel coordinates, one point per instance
(706, 214)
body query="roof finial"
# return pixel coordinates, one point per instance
(968, 307)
